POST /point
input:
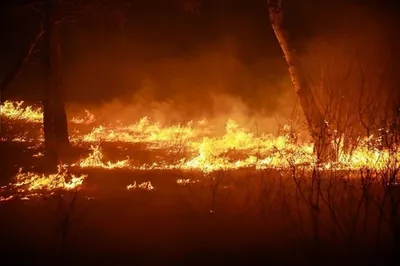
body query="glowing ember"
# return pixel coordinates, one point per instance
(186, 181)
(145, 186)
(39, 154)
(6, 198)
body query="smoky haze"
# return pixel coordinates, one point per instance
(223, 61)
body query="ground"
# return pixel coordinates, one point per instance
(172, 224)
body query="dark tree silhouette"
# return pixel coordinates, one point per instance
(53, 59)
(317, 125)
(54, 115)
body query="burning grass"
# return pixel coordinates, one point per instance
(193, 146)
(30, 184)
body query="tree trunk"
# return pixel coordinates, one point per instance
(318, 127)
(54, 114)
(49, 86)
(60, 115)
(50, 146)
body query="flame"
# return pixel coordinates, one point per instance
(16, 111)
(194, 146)
(96, 160)
(144, 185)
(143, 131)
(6, 198)
(186, 181)
(33, 182)
(88, 118)
(30, 184)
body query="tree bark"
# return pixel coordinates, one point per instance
(60, 114)
(50, 146)
(318, 127)
(54, 114)
(48, 95)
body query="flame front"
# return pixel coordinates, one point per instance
(33, 182)
(192, 146)
(30, 184)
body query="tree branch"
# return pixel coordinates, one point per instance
(14, 72)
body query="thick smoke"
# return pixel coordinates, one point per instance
(222, 62)
(212, 65)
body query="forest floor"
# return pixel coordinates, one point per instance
(104, 223)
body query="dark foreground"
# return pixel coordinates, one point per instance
(254, 221)
(165, 226)
(119, 232)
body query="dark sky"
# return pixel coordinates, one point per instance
(165, 53)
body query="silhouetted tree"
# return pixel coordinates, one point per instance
(54, 115)
(318, 126)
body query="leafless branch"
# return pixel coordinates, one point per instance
(24, 59)
(33, 6)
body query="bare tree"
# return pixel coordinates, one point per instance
(317, 125)
(55, 122)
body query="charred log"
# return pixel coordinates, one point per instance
(318, 127)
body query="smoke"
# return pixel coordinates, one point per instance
(219, 109)
(177, 81)
(352, 68)
(223, 62)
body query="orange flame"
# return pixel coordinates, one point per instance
(194, 147)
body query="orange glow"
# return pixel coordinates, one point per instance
(200, 149)
(145, 186)
(192, 146)
(30, 184)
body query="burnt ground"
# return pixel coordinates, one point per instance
(170, 225)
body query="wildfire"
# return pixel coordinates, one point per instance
(88, 118)
(16, 111)
(33, 182)
(96, 160)
(186, 181)
(29, 184)
(193, 146)
(145, 186)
